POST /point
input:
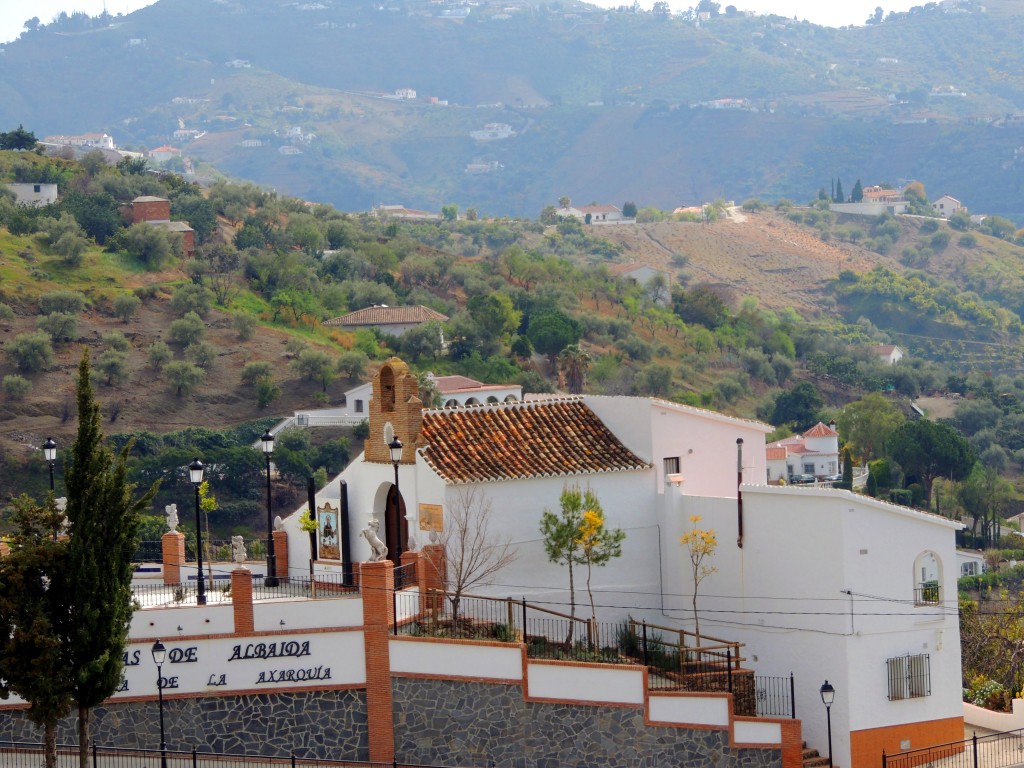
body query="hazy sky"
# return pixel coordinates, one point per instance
(836, 13)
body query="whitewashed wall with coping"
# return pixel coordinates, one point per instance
(486, 662)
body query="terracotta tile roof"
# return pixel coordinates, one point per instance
(384, 315)
(821, 430)
(775, 453)
(450, 385)
(515, 441)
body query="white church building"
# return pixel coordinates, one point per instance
(826, 584)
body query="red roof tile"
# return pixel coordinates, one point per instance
(775, 453)
(388, 316)
(821, 430)
(514, 441)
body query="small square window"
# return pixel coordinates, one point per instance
(909, 676)
(672, 465)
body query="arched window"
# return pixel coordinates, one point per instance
(927, 579)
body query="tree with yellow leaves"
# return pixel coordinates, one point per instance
(701, 545)
(578, 536)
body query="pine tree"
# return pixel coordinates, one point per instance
(34, 594)
(103, 517)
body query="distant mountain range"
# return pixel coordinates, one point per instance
(507, 106)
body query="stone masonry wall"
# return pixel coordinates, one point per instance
(490, 724)
(319, 724)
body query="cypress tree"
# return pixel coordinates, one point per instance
(858, 193)
(103, 526)
(838, 196)
(847, 470)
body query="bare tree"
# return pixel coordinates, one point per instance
(473, 552)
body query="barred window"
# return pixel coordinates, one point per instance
(910, 677)
(672, 465)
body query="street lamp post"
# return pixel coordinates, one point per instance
(828, 695)
(195, 474)
(50, 452)
(268, 451)
(395, 447)
(159, 654)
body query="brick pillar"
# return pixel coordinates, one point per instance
(377, 584)
(281, 552)
(433, 570)
(241, 600)
(173, 555)
(792, 744)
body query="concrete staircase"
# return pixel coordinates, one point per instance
(812, 759)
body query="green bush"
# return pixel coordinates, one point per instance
(16, 387)
(126, 305)
(6, 313)
(31, 352)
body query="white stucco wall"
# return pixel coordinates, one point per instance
(824, 587)
(484, 662)
(605, 684)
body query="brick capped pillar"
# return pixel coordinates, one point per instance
(241, 600)
(377, 584)
(281, 552)
(173, 555)
(433, 572)
(792, 744)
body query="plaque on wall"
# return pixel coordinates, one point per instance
(328, 532)
(431, 517)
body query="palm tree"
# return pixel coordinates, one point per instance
(574, 363)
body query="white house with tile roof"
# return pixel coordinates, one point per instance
(815, 452)
(890, 354)
(822, 583)
(391, 320)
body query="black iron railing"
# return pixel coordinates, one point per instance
(995, 750)
(20, 755)
(685, 662)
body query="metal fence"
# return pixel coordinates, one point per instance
(996, 750)
(323, 585)
(30, 755)
(705, 665)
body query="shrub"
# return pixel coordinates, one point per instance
(967, 240)
(68, 302)
(192, 298)
(31, 352)
(59, 326)
(245, 325)
(126, 305)
(254, 372)
(16, 387)
(202, 353)
(183, 376)
(929, 225)
(187, 330)
(113, 364)
(266, 392)
(159, 355)
(116, 340)
(6, 313)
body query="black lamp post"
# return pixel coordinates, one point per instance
(268, 451)
(195, 474)
(50, 453)
(159, 654)
(395, 446)
(828, 695)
